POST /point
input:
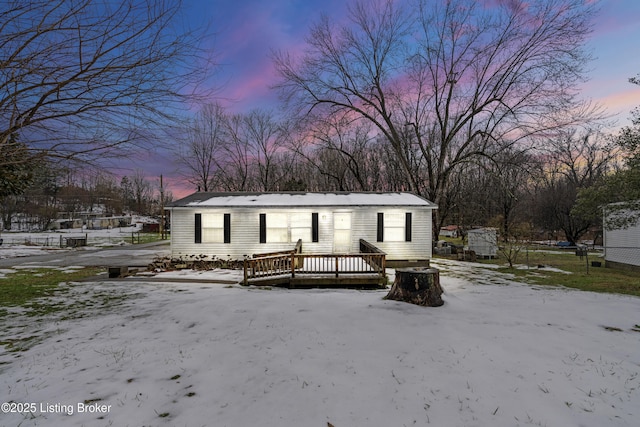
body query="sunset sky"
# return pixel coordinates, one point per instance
(247, 30)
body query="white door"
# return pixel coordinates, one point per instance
(342, 232)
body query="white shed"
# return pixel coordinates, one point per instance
(235, 225)
(622, 245)
(483, 241)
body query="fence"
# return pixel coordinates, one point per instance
(70, 240)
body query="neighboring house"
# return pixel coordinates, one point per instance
(449, 231)
(236, 225)
(92, 222)
(622, 246)
(483, 241)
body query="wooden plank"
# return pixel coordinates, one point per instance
(328, 270)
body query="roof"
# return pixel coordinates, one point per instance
(483, 230)
(301, 199)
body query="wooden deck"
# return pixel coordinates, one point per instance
(294, 269)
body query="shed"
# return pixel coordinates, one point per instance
(483, 241)
(240, 224)
(622, 244)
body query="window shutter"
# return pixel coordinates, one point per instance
(263, 228)
(198, 228)
(407, 227)
(380, 237)
(314, 226)
(227, 228)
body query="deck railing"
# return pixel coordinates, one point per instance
(337, 264)
(268, 266)
(294, 264)
(380, 263)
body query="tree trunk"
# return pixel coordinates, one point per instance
(417, 285)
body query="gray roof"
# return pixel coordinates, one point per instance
(301, 199)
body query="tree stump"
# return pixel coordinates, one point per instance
(417, 285)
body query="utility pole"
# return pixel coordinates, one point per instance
(161, 209)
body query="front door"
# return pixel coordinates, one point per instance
(341, 232)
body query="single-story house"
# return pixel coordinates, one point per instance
(239, 224)
(622, 244)
(449, 231)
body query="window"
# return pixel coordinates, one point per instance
(281, 227)
(213, 228)
(273, 228)
(394, 227)
(301, 225)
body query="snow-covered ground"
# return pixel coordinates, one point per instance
(21, 244)
(498, 353)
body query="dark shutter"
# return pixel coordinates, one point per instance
(263, 228)
(227, 228)
(380, 237)
(198, 228)
(407, 227)
(314, 227)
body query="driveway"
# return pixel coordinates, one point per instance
(120, 256)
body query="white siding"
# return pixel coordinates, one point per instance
(245, 231)
(484, 242)
(623, 245)
(419, 248)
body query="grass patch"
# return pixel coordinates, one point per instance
(32, 300)
(598, 279)
(118, 238)
(22, 288)
(147, 238)
(140, 237)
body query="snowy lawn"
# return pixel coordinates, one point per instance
(22, 244)
(498, 353)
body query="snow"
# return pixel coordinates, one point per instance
(498, 353)
(47, 242)
(302, 199)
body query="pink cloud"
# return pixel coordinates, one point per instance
(622, 102)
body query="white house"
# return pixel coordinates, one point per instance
(449, 231)
(621, 245)
(235, 225)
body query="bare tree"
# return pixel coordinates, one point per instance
(235, 175)
(201, 153)
(462, 77)
(253, 156)
(142, 191)
(575, 161)
(341, 153)
(267, 137)
(495, 190)
(81, 79)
